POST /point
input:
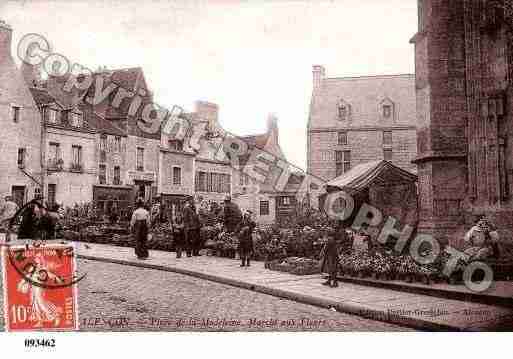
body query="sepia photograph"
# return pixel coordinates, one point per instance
(291, 166)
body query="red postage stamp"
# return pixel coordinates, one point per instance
(40, 291)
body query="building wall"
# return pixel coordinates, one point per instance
(151, 159)
(24, 134)
(365, 122)
(72, 187)
(365, 146)
(251, 201)
(170, 159)
(113, 158)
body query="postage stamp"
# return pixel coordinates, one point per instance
(39, 288)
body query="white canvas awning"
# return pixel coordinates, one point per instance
(362, 176)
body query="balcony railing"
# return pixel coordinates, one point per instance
(76, 167)
(54, 164)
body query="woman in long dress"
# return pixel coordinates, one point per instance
(140, 225)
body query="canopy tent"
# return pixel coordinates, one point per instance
(374, 173)
(382, 185)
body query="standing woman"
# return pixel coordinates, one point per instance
(178, 234)
(140, 225)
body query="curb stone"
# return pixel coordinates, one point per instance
(350, 308)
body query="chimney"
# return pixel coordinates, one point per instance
(5, 40)
(31, 74)
(318, 72)
(208, 111)
(272, 126)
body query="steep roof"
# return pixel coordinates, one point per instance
(41, 96)
(364, 96)
(129, 78)
(258, 141)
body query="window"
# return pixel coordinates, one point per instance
(52, 116)
(285, 201)
(264, 208)
(201, 180)
(77, 119)
(342, 162)
(387, 137)
(103, 142)
(387, 155)
(243, 179)
(117, 176)
(177, 176)
(51, 194)
(342, 111)
(342, 138)
(212, 182)
(21, 157)
(54, 156)
(16, 113)
(140, 159)
(117, 144)
(103, 148)
(176, 145)
(387, 111)
(76, 159)
(103, 174)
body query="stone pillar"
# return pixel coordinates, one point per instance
(441, 118)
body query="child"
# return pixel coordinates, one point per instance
(330, 260)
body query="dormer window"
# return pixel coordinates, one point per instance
(77, 119)
(52, 116)
(387, 111)
(343, 110)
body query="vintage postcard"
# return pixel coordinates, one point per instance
(256, 166)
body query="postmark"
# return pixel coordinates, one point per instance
(40, 291)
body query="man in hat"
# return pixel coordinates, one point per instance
(246, 239)
(192, 228)
(232, 215)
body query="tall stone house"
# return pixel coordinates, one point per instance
(464, 72)
(20, 137)
(354, 120)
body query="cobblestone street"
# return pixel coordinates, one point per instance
(120, 298)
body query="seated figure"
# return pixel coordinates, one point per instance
(482, 241)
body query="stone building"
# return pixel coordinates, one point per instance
(464, 71)
(354, 120)
(86, 142)
(20, 137)
(68, 153)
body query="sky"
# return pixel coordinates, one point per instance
(252, 58)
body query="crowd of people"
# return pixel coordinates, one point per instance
(39, 220)
(185, 228)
